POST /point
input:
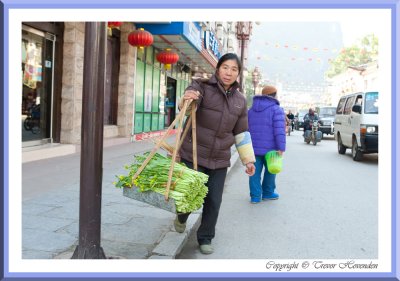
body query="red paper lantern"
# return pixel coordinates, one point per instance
(167, 58)
(114, 24)
(140, 38)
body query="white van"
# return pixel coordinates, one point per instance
(356, 124)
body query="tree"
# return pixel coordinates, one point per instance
(365, 51)
(249, 87)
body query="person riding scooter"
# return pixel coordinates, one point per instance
(309, 118)
(290, 115)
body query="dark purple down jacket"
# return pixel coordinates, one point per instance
(220, 116)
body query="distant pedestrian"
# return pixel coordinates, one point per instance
(267, 123)
(221, 122)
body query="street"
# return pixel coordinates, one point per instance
(328, 209)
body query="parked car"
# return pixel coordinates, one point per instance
(299, 119)
(356, 124)
(327, 119)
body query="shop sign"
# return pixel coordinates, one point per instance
(211, 42)
(192, 33)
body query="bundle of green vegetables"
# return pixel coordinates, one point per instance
(188, 187)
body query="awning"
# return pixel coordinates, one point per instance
(185, 38)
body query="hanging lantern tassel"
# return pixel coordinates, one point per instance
(167, 58)
(111, 25)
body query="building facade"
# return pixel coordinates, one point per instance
(141, 94)
(355, 79)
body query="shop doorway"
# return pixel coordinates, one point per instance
(170, 101)
(37, 86)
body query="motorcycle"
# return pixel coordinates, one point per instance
(32, 121)
(313, 135)
(289, 126)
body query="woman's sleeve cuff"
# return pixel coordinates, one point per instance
(245, 148)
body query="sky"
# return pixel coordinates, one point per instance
(352, 31)
(297, 54)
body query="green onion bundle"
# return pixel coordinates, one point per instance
(188, 187)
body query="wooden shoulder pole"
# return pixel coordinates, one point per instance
(178, 136)
(194, 136)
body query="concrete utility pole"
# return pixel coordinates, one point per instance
(92, 143)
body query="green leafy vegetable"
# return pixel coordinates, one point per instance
(188, 187)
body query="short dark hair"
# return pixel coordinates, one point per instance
(230, 56)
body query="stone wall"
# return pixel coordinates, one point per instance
(72, 81)
(72, 84)
(126, 83)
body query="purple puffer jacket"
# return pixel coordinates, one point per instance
(267, 125)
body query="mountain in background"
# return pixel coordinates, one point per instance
(296, 54)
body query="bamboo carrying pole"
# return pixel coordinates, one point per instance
(191, 122)
(186, 130)
(194, 136)
(158, 145)
(178, 137)
(169, 148)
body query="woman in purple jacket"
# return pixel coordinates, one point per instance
(267, 129)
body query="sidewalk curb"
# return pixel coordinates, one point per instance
(173, 242)
(166, 243)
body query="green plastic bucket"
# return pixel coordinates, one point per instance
(274, 162)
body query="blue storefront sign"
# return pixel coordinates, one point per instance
(211, 42)
(190, 31)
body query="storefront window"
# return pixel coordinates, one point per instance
(162, 106)
(149, 92)
(156, 62)
(141, 53)
(149, 55)
(37, 85)
(157, 92)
